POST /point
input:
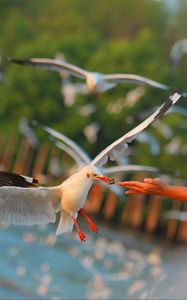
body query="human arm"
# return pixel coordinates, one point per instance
(155, 187)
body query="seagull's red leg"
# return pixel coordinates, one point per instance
(82, 236)
(92, 225)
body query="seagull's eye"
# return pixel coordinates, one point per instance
(94, 174)
(88, 175)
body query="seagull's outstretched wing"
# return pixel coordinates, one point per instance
(22, 202)
(53, 65)
(77, 149)
(120, 145)
(129, 168)
(133, 78)
(13, 179)
(70, 152)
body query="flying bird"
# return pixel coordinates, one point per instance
(69, 90)
(96, 82)
(81, 158)
(28, 132)
(38, 204)
(177, 50)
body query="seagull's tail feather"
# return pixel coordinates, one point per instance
(65, 224)
(107, 86)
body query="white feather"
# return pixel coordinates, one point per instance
(121, 144)
(74, 146)
(133, 78)
(65, 224)
(28, 206)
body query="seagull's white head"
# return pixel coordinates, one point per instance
(92, 173)
(97, 84)
(93, 81)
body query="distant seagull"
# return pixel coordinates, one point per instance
(126, 101)
(177, 50)
(96, 82)
(147, 137)
(86, 109)
(176, 214)
(28, 132)
(91, 131)
(69, 90)
(37, 205)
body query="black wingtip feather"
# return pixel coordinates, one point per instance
(19, 61)
(13, 179)
(169, 102)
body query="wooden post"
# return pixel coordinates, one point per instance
(7, 155)
(136, 214)
(24, 158)
(40, 160)
(153, 214)
(110, 206)
(182, 228)
(95, 199)
(172, 224)
(182, 231)
(133, 210)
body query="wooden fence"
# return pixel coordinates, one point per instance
(50, 165)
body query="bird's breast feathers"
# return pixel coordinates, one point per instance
(74, 196)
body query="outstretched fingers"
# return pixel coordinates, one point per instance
(134, 187)
(153, 180)
(153, 186)
(131, 184)
(132, 191)
(137, 187)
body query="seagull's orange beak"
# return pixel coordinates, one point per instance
(106, 179)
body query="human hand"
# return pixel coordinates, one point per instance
(149, 186)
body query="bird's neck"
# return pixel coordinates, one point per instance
(78, 180)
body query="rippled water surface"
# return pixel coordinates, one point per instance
(114, 264)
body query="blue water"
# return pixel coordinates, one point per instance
(114, 264)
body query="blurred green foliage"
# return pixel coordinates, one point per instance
(113, 36)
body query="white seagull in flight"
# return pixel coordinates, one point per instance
(96, 82)
(23, 203)
(177, 50)
(69, 90)
(81, 158)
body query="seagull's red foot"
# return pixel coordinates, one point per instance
(93, 227)
(90, 222)
(82, 236)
